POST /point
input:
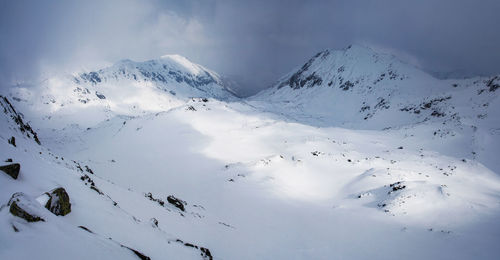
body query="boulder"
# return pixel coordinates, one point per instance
(58, 202)
(22, 206)
(176, 202)
(12, 141)
(11, 169)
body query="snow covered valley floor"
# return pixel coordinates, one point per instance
(353, 155)
(256, 186)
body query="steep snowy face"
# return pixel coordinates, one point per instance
(126, 88)
(359, 88)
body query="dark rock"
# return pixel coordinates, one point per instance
(78, 166)
(150, 197)
(301, 78)
(346, 85)
(99, 95)
(154, 222)
(87, 169)
(25, 128)
(205, 253)
(92, 77)
(11, 169)
(396, 186)
(382, 104)
(364, 108)
(178, 203)
(21, 206)
(8, 160)
(12, 141)
(437, 113)
(492, 85)
(88, 181)
(15, 228)
(191, 245)
(137, 253)
(58, 202)
(86, 229)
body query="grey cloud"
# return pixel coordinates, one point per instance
(253, 41)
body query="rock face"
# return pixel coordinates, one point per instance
(11, 169)
(22, 206)
(204, 252)
(137, 253)
(58, 202)
(25, 128)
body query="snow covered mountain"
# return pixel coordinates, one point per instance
(358, 88)
(126, 88)
(299, 171)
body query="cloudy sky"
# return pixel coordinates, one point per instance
(254, 42)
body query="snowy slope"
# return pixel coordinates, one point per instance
(258, 179)
(98, 227)
(260, 188)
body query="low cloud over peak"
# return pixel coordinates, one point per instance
(255, 42)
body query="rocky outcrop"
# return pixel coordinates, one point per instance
(25, 128)
(137, 253)
(58, 202)
(23, 207)
(178, 203)
(204, 252)
(11, 169)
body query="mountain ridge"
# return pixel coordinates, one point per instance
(125, 88)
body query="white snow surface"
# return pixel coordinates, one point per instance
(287, 174)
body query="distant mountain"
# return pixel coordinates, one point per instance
(126, 88)
(360, 89)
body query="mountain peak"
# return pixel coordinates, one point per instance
(182, 63)
(335, 67)
(176, 57)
